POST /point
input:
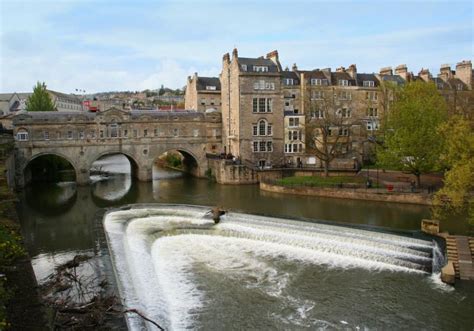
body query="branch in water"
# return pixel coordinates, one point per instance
(144, 317)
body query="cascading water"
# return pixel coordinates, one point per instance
(179, 268)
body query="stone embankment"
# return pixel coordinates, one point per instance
(350, 193)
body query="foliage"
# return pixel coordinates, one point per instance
(457, 194)
(173, 160)
(329, 124)
(40, 99)
(412, 141)
(320, 181)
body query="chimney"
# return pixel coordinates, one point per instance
(341, 69)
(295, 67)
(445, 72)
(386, 71)
(235, 53)
(464, 72)
(352, 71)
(226, 58)
(425, 75)
(402, 71)
(273, 56)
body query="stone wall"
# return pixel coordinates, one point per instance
(227, 173)
(355, 194)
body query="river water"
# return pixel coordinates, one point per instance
(292, 267)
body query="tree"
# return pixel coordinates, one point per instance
(412, 140)
(40, 99)
(458, 155)
(330, 123)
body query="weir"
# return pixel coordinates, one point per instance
(160, 252)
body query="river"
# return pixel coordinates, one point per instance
(247, 272)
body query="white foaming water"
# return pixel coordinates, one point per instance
(156, 250)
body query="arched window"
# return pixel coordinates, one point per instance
(22, 135)
(262, 128)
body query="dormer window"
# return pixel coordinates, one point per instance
(210, 88)
(243, 67)
(289, 81)
(318, 81)
(343, 82)
(260, 68)
(369, 83)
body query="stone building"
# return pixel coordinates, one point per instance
(203, 94)
(252, 109)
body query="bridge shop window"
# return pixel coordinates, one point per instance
(135, 133)
(81, 134)
(196, 132)
(22, 135)
(175, 132)
(69, 135)
(125, 133)
(46, 135)
(92, 134)
(145, 133)
(156, 133)
(101, 133)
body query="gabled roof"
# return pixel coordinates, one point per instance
(202, 82)
(251, 62)
(397, 79)
(318, 74)
(291, 75)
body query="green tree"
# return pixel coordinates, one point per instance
(40, 99)
(456, 195)
(412, 140)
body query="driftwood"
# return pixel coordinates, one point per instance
(144, 317)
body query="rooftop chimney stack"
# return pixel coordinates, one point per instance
(352, 71)
(386, 71)
(464, 72)
(235, 53)
(402, 71)
(295, 67)
(425, 74)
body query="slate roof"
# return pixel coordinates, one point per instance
(292, 75)
(251, 62)
(367, 77)
(336, 76)
(397, 79)
(202, 82)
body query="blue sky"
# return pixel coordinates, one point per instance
(133, 45)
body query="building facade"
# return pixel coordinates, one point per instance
(203, 94)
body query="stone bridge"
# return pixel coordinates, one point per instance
(142, 136)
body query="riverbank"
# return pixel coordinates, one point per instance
(373, 194)
(20, 304)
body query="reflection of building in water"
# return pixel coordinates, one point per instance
(113, 188)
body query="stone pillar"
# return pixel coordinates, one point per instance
(144, 174)
(82, 177)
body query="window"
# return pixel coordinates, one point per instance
(317, 114)
(289, 81)
(113, 130)
(255, 130)
(269, 146)
(262, 128)
(22, 135)
(343, 131)
(255, 146)
(196, 132)
(203, 102)
(145, 133)
(345, 95)
(210, 88)
(343, 82)
(46, 135)
(269, 130)
(263, 146)
(294, 121)
(295, 135)
(69, 135)
(81, 134)
(262, 105)
(92, 134)
(135, 133)
(372, 95)
(368, 83)
(372, 125)
(459, 87)
(317, 95)
(260, 68)
(262, 85)
(243, 67)
(175, 132)
(318, 81)
(345, 113)
(125, 133)
(156, 132)
(372, 112)
(101, 133)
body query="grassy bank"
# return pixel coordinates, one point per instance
(313, 181)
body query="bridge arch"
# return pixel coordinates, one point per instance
(48, 169)
(134, 164)
(190, 162)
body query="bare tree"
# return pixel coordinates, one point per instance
(331, 122)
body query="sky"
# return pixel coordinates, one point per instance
(135, 45)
